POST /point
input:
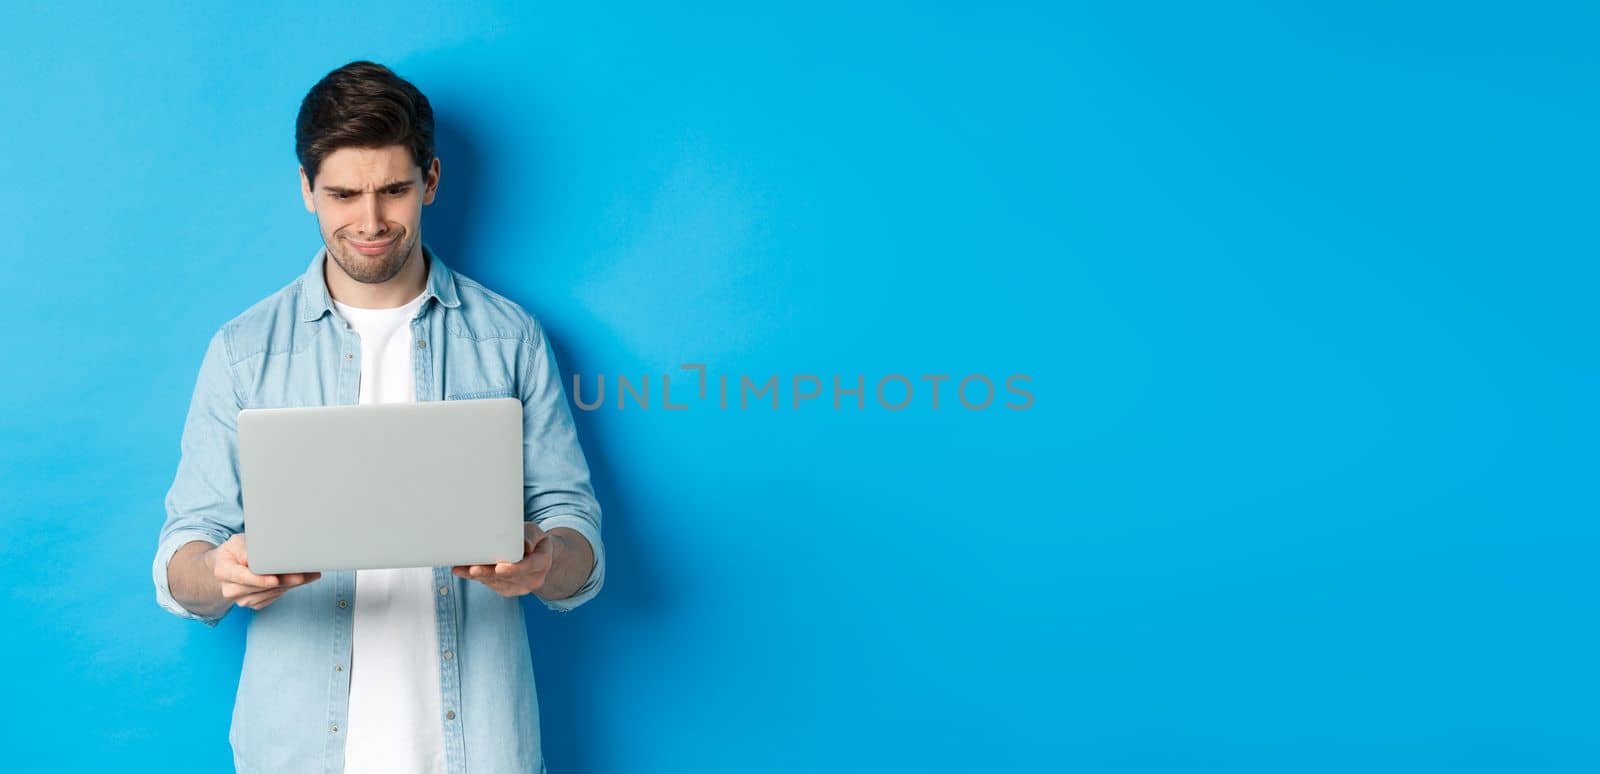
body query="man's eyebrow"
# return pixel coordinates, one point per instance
(394, 186)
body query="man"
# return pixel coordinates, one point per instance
(410, 670)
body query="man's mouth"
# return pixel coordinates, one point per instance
(370, 248)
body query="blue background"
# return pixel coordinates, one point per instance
(1307, 298)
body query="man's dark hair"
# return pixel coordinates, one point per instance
(362, 105)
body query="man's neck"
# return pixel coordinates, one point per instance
(396, 291)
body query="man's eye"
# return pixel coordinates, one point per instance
(400, 192)
(341, 197)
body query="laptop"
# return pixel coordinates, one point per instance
(387, 485)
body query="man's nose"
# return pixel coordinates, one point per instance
(372, 215)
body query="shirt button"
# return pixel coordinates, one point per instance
(421, 344)
(348, 356)
(343, 604)
(333, 729)
(451, 715)
(444, 590)
(448, 655)
(338, 667)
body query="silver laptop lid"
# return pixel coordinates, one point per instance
(427, 484)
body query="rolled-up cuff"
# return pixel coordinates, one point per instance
(597, 576)
(168, 547)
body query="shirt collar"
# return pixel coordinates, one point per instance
(315, 302)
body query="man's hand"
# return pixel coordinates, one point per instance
(526, 576)
(230, 565)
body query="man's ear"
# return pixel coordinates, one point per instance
(305, 192)
(430, 181)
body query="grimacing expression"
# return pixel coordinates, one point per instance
(368, 203)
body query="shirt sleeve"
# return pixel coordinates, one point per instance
(556, 488)
(204, 502)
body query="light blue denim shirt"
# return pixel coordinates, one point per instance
(293, 349)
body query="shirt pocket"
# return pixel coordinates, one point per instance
(476, 394)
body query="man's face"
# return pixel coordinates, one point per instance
(368, 203)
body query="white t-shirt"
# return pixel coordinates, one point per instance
(395, 724)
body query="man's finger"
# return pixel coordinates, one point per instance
(259, 598)
(500, 587)
(258, 602)
(503, 587)
(540, 561)
(528, 552)
(538, 558)
(237, 591)
(253, 598)
(227, 567)
(239, 575)
(290, 580)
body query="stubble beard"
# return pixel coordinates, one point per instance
(372, 269)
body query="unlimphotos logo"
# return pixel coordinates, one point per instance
(894, 392)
